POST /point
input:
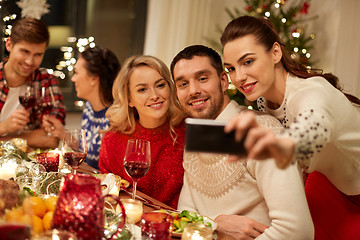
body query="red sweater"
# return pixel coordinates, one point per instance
(165, 176)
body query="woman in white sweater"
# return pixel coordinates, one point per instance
(322, 124)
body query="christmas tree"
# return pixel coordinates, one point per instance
(289, 17)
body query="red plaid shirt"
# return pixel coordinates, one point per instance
(40, 78)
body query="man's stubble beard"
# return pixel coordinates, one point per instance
(210, 113)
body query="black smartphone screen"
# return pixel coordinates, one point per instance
(205, 135)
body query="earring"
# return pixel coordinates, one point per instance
(92, 83)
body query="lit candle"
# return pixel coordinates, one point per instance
(50, 160)
(61, 159)
(197, 231)
(8, 170)
(115, 190)
(133, 209)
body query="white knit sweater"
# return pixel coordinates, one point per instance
(326, 128)
(256, 189)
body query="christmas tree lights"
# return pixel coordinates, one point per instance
(289, 18)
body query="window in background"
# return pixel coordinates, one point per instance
(75, 24)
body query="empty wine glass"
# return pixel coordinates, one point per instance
(74, 148)
(137, 160)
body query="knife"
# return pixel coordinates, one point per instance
(147, 201)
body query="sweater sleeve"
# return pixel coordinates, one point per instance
(283, 191)
(311, 115)
(311, 130)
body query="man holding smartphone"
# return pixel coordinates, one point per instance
(248, 199)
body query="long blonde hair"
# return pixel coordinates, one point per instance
(122, 117)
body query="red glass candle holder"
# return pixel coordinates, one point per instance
(80, 206)
(156, 225)
(50, 160)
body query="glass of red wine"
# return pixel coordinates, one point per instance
(16, 218)
(47, 101)
(27, 98)
(137, 160)
(74, 148)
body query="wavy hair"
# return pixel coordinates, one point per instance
(265, 34)
(122, 117)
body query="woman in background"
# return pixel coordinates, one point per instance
(321, 123)
(145, 107)
(94, 74)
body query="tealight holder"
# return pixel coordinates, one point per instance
(50, 160)
(198, 231)
(133, 209)
(156, 225)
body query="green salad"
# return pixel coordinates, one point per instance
(185, 217)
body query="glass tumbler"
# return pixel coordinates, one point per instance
(198, 231)
(156, 226)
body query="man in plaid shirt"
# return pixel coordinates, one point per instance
(26, 46)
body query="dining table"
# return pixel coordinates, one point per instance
(149, 204)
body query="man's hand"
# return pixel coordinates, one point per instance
(239, 227)
(54, 126)
(16, 122)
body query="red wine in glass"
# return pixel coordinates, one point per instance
(27, 101)
(74, 149)
(136, 169)
(74, 159)
(137, 160)
(14, 231)
(45, 108)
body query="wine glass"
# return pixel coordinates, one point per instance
(47, 101)
(74, 148)
(137, 160)
(27, 98)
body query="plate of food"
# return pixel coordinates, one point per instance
(181, 218)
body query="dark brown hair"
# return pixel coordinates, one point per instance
(30, 30)
(265, 33)
(199, 51)
(103, 63)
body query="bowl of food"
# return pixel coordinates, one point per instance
(182, 218)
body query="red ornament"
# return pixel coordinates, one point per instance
(305, 7)
(248, 8)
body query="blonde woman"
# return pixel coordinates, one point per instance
(145, 107)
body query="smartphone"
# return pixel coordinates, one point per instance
(206, 135)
